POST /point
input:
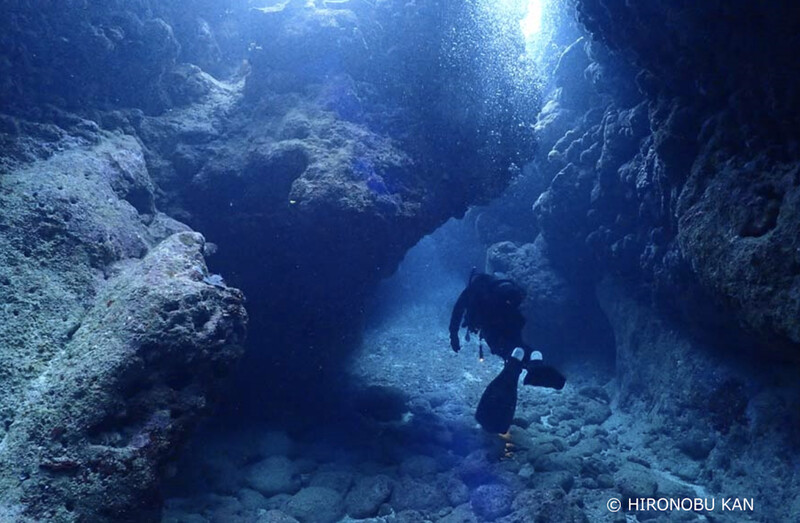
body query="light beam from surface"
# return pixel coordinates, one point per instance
(531, 25)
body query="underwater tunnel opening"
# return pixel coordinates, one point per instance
(562, 317)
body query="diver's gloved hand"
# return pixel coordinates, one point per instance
(454, 343)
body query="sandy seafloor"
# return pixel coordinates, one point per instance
(566, 456)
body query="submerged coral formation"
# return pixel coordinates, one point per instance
(112, 343)
(341, 148)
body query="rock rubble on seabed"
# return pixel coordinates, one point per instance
(566, 455)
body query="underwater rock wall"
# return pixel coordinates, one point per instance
(675, 163)
(669, 142)
(81, 55)
(564, 321)
(113, 338)
(350, 137)
(729, 424)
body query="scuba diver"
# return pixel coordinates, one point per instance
(489, 307)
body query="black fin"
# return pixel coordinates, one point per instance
(541, 375)
(499, 401)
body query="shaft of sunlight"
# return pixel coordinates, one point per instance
(531, 25)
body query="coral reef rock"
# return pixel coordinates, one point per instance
(114, 336)
(342, 146)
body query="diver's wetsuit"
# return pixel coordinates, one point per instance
(490, 307)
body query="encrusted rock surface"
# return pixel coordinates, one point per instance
(113, 337)
(367, 495)
(341, 147)
(669, 155)
(677, 168)
(563, 319)
(82, 54)
(739, 230)
(719, 411)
